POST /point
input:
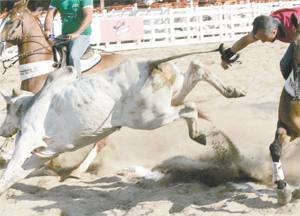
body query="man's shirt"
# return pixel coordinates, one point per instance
(71, 14)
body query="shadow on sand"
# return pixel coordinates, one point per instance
(186, 182)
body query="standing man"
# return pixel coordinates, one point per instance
(76, 18)
(276, 26)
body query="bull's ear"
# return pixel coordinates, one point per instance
(6, 98)
(15, 93)
(294, 20)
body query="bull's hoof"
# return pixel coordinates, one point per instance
(200, 139)
(284, 195)
(75, 174)
(64, 178)
(233, 92)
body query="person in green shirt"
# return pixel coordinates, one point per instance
(76, 18)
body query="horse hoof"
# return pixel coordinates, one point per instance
(200, 139)
(284, 195)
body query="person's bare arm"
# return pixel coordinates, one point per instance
(48, 21)
(237, 46)
(87, 19)
(243, 42)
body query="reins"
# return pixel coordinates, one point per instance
(26, 54)
(21, 42)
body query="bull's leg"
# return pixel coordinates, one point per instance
(23, 161)
(197, 128)
(197, 72)
(284, 193)
(189, 112)
(85, 164)
(158, 116)
(16, 172)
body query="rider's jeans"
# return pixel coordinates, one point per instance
(286, 63)
(76, 49)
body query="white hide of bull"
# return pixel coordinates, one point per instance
(71, 111)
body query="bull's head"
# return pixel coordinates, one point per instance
(16, 106)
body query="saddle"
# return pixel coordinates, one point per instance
(60, 54)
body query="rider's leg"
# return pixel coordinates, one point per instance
(286, 63)
(77, 48)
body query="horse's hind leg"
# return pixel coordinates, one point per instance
(284, 193)
(197, 72)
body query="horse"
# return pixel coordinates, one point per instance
(23, 28)
(288, 124)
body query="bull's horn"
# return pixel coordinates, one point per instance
(15, 92)
(6, 98)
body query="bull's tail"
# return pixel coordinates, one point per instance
(155, 63)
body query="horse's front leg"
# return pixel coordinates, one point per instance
(284, 192)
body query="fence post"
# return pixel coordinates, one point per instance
(200, 24)
(171, 26)
(151, 23)
(223, 19)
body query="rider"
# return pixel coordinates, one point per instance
(267, 29)
(76, 18)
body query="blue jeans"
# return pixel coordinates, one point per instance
(76, 49)
(286, 63)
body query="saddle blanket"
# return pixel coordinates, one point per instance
(35, 69)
